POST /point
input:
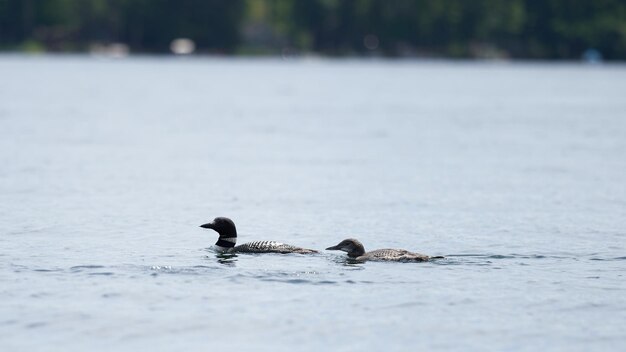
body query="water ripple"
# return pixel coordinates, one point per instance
(607, 259)
(81, 267)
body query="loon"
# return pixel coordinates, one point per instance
(356, 251)
(225, 227)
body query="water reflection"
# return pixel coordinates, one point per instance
(228, 259)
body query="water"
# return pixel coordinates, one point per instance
(515, 172)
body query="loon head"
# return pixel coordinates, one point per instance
(225, 227)
(352, 246)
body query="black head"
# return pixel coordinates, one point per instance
(224, 226)
(352, 246)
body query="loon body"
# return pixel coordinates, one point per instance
(356, 251)
(227, 241)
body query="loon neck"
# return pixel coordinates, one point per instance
(226, 242)
(220, 249)
(356, 251)
(356, 254)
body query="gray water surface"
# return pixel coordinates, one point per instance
(515, 172)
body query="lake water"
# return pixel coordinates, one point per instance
(516, 172)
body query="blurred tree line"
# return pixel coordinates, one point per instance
(550, 29)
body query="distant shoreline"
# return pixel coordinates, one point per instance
(308, 58)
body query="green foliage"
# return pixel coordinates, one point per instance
(146, 25)
(542, 29)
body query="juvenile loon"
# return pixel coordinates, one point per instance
(225, 227)
(356, 251)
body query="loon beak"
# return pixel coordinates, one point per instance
(207, 226)
(334, 248)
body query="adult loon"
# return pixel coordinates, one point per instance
(225, 227)
(356, 251)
